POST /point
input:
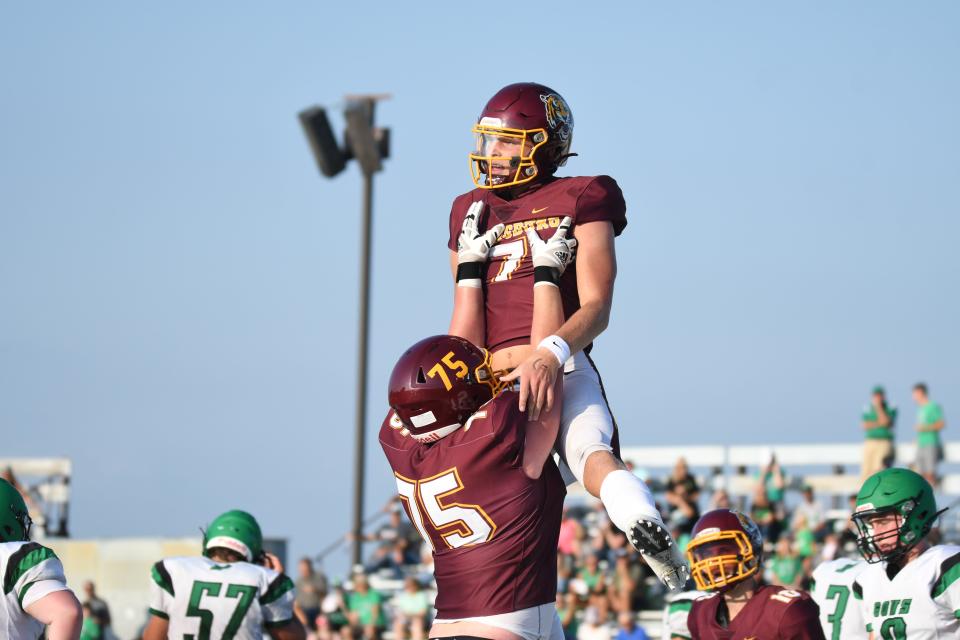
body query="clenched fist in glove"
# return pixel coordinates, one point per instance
(551, 258)
(473, 248)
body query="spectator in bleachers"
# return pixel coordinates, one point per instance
(627, 584)
(775, 485)
(98, 606)
(567, 605)
(91, 628)
(569, 526)
(590, 573)
(683, 495)
(365, 612)
(878, 419)
(811, 513)
(929, 424)
(411, 608)
(311, 588)
(593, 626)
(720, 500)
(628, 628)
(333, 613)
(766, 517)
(785, 568)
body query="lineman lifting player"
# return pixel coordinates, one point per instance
(475, 474)
(523, 136)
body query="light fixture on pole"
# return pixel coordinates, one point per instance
(369, 145)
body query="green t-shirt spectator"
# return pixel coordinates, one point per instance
(786, 568)
(589, 578)
(412, 604)
(90, 630)
(805, 542)
(363, 604)
(929, 414)
(878, 432)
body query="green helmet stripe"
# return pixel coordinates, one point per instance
(949, 573)
(280, 585)
(21, 561)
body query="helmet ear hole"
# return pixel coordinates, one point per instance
(422, 379)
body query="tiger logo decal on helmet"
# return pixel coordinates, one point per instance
(559, 116)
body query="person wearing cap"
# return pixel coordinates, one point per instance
(878, 419)
(235, 590)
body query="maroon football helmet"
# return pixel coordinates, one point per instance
(438, 384)
(523, 135)
(726, 547)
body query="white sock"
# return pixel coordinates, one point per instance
(627, 499)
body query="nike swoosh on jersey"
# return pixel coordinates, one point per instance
(536, 211)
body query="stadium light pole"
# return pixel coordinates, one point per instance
(368, 145)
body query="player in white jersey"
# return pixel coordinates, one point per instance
(225, 594)
(911, 589)
(675, 613)
(35, 593)
(832, 590)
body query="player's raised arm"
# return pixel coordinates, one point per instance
(596, 272)
(469, 265)
(538, 374)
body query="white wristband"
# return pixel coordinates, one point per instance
(473, 283)
(557, 346)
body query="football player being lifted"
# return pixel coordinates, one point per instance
(35, 593)
(523, 136)
(235, 590)
(911, 588)
(476, 476)
(726, 555)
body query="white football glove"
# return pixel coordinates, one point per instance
(473, 246)
(558, 252)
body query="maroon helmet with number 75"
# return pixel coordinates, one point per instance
(523, 135)
(438, 383)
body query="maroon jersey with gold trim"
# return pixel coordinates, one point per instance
(508, 292)
(773, 613)
(493, 529)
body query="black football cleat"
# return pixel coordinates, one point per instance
(650, 537)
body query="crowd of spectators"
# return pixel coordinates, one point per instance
(602, 583)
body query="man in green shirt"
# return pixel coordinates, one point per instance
(878, 419)
(365, 611)
(929, 423)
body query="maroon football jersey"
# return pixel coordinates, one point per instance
(773, 613)
(508, 291)
(493, 529)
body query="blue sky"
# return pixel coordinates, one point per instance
(179, 286)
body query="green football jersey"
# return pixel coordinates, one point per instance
(30, 571)
(922, 602)
(210, 600)
(832, 590)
